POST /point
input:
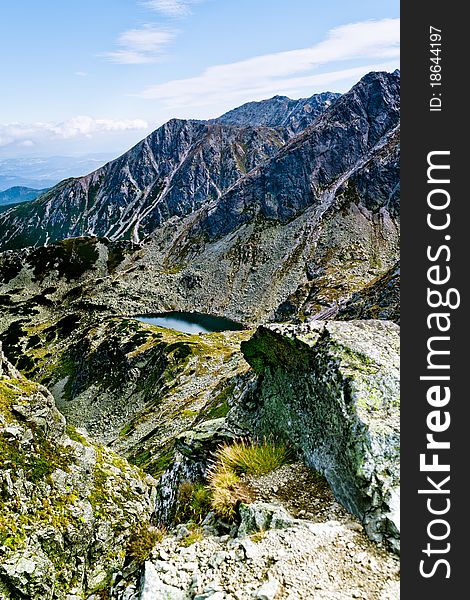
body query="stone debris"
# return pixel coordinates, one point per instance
(301, 559)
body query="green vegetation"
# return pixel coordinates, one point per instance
(226, 488)
(174, 269)
(76, 436)
(153, 464)
(117, 253)
(142, 540)
(71, 257)
(232, 461)
(194, 502)
(219, 407)
(258, 536)
(195, 535)
(252, 458)
(43, 459)
(227, 492)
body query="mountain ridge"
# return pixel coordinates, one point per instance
(318, 219)
(279, 111)
(179, 165)
(178, 168)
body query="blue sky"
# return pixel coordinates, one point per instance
(84, 76)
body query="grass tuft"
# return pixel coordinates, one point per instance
(232, 461)
(252, 458)
(195, 535)
(194, 502)
(142, 540)
(227, 492)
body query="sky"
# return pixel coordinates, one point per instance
(84, 76)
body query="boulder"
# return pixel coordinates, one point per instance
(331, 389)
(260, 516)
(269, 590)
(153, 588)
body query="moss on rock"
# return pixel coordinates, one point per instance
(332, 390)
(67, 506)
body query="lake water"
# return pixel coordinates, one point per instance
(190, 322)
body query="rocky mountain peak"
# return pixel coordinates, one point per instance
(280, 111)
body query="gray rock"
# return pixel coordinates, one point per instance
(153, 588)
(332, 389)
(181, 532)
(218, 558)
(172, 172)
(280, 111)
(380, 299)
(212, 595)
(68, 498)
(260, 516)
(268, 591)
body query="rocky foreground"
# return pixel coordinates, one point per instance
(68, 506)
(76, 510)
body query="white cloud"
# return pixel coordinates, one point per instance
(140, 46)
(260, 76)
(28, 134)
(171, 8)
(80, 73)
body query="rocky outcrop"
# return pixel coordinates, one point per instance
(332, 391)
(65, 263)
(192, 454)
(67, 506)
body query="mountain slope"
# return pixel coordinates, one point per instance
(318, 220)
(64, 499)
(171, 172)
(310, 168)
(297, 234)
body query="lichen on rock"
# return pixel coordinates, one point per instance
(67, 505)
(332, 390)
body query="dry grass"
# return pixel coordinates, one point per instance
(232, 461)
(142, 540)
(195, 535)
(252, 458)
(193, 503)
(227, 491)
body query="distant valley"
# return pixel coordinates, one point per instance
(19, 194)
(44, 172)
